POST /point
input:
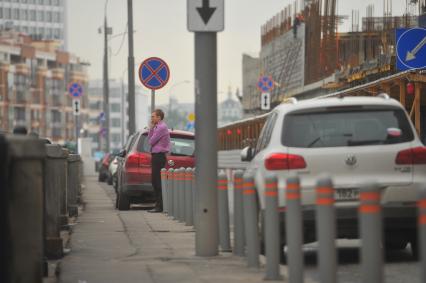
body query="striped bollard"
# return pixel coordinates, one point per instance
(164, 189)
(422, 230)
(251, 221)
(272, 229)
(182, 195)
(189, 219)
(239, 240)
(371, 234)
(326, 230)
(170, 190)
(224, 231)
(176, 194)
(294, 231)
(194, 197)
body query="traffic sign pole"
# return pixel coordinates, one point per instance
(206, 234)
(152, 100)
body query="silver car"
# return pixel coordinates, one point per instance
(354, 140)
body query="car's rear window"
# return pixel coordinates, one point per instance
(346, 127)
(181, 145)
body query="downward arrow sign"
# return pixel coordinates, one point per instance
(206, 12)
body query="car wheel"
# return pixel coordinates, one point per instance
(123, 202)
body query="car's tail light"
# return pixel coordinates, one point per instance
(136, 159)
(284, 161)
(411, 156)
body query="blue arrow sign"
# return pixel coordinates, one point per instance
(411, 48)
(154, 73)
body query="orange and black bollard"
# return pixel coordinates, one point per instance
(326, 230)
(272, 229)
(224, 231)
(239, 240)
(170, 191)
(189, 219)
(164, 189)
(251, 221)
(370, 214)
(294, 230)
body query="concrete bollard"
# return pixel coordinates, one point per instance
(25, 209)
(251, 221)
(371, 234)
(189, 218)
(176, 194)
(73, 184)
(422, 230)
(63, 189)
(170, 191)
(294, 231)
(223, 207)
(55, 180)
(239, 240)
(272, 229)
(326, 230)
(80, 181)
(163, 175)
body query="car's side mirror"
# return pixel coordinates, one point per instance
(247, 154)
(122, 153)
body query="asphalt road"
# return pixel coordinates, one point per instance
(399, 266)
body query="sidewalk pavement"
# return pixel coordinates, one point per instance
(136, 246)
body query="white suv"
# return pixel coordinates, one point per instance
(353, 139)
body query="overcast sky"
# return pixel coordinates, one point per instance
(161, 31)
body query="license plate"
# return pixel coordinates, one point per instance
(346, 194)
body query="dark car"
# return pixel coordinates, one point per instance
(135, 175)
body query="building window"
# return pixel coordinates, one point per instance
(33, 15)
(56, 132)
(40, 16)
(56, 116)
(7, 13)
(115, 138)
(49, 16)
(24, 15)
(15, 14)
(115, 122)
(115, 107)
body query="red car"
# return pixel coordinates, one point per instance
(135, 181)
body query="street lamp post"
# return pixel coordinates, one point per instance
(106, 81)
(131, 63)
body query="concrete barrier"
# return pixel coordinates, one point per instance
(25, 209)
(74, 185)
(239, 239)
(189, 216)
(251, 221)
(55, 182)
(223, 210)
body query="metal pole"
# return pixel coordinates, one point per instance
(189, 219)
(371, 234)
(152, 100)
(131, 71)
(106, 86)
(294, 231)
(251, 221)
(326, 230)
(76, 120)
(207, 234)
(170, 190)
(422, 230)
(272, 229)
(224, 231)
(239, 240)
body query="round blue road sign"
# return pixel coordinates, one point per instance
(411, 48)
(154, 73)
(265, 84)
(75, 89)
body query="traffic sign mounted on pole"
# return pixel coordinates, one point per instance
(206, 15)
(76, 107)
(265, 84)
(154, 73)
(75, 89)
(411, 48)
(265, 102)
